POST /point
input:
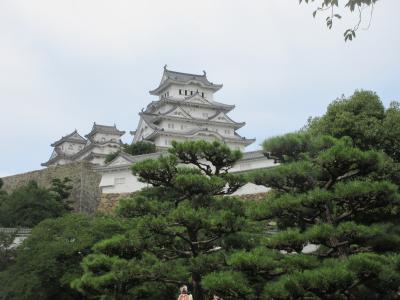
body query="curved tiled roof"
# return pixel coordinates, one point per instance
(214, 105)
(183, 78)
(236, 139)
(97, 128)
(73, 137)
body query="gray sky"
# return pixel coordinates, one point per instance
(65, 64)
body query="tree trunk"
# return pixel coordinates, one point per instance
(197, 289)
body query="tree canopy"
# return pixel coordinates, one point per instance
(138, 148)
(182, 229)
(50, 258)
(339, 193)
(30, 204)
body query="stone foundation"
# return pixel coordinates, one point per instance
(85, 193)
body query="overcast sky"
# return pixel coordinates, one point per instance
(65, 64)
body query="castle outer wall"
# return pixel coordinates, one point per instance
(85, 194)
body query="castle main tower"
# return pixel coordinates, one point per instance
(186, 110)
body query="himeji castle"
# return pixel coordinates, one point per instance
(186, 110)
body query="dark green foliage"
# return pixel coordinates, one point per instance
(7, 251)
(111, 156)
(28, 205)
(218, 156)
(182, 230)
(362, 117)
(62, 190)
(137, 148)
(50, 258)
(337, 188)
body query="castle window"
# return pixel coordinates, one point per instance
(182, 127)
(70, 147)
(119, 180)
(205, 115)
(185, 92)
(202, 94)
(171, 125)
(191, 92)
(180, 92)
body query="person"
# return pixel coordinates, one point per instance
(216, 297)
(184, 294)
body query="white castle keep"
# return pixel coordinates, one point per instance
(185, 110)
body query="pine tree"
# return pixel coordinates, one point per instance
(183, 228)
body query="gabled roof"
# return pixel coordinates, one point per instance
(54, 158)
(225, 116)
(170, 77)
(236, 139)
(150, 118)
(97, 128)
(73, 137)
(169, 100)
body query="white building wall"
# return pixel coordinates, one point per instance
(122, 181)
(102, 137)
(70, 148)
(173, 91)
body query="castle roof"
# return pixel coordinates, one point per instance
(97, 128)
(56, 156)
(73, 137)
(201, 131)
(206, 104)
(170, 77)
(150, 119)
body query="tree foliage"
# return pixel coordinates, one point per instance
(138, 148)
(331, 7)
(28, 205)
(50, 258)
(362, 117)
(339, 193)
(183, 229)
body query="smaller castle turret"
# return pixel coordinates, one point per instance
(100, 141)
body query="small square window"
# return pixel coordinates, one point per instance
(119, 180)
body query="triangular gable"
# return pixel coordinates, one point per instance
(119, 161)
(197, 99)
(53, 155)
(77, 136)
(221, 117)
(178, 112)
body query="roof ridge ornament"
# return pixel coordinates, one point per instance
(165, 67)
(204, 73)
